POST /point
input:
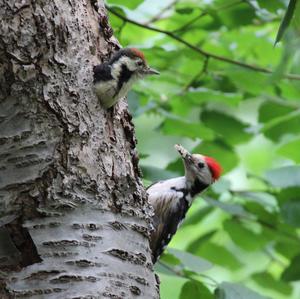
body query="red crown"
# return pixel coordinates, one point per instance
(138, 53)
(214, 167)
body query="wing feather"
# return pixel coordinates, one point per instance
(170, 209)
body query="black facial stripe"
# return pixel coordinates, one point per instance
(197, 187)
(125, 75)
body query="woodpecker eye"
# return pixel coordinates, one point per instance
(201, 165)
(140, 63)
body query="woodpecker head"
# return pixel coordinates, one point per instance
(199, 168)
(134, 60)
(113, 79)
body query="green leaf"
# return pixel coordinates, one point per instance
(220, 255)
(194, 246)
(249, 81)
(228, 127)
(272, 6)
(290, 150)
(287, 249)
(236, 15)
(270, 110)
(197, 216)
(264, 199)
(183, 128)
(288, 176)
(205, 95)
(260, 211)
(290, 212)
(169, 259)
(192, 262)
(288, 194)
(286, 20)
(195, 289)
(235, 291)
(289, 90)
(243, 237)
(232, 209)
(160, 268)
(155, 174)
(292, 272)
(132, 4)
(277, 127)
(185, 10)
(267, 281)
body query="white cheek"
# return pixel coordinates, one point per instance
(208, 177)
(117, 66)
(205, 176)
(132, 65)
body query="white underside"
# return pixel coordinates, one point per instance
(106, 91)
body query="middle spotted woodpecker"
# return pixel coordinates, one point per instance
(113, 79)
(172, 198)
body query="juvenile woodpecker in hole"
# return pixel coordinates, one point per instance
(172, 198)
(113, 79)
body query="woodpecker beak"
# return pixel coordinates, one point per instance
(150, 71)
(186, 156)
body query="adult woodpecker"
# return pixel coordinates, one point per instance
(113, 79)
(172, 198)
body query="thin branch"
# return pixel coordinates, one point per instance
(200, 50)
(159, 16)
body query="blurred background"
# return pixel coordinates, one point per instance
(229, 88)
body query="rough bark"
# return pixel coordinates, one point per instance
(73, 211)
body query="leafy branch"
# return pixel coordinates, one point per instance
(200, 50)
(286, 20)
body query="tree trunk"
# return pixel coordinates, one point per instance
(73, 212)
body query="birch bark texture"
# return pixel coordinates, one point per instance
(74, 217)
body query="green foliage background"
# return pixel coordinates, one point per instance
(226, 91)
